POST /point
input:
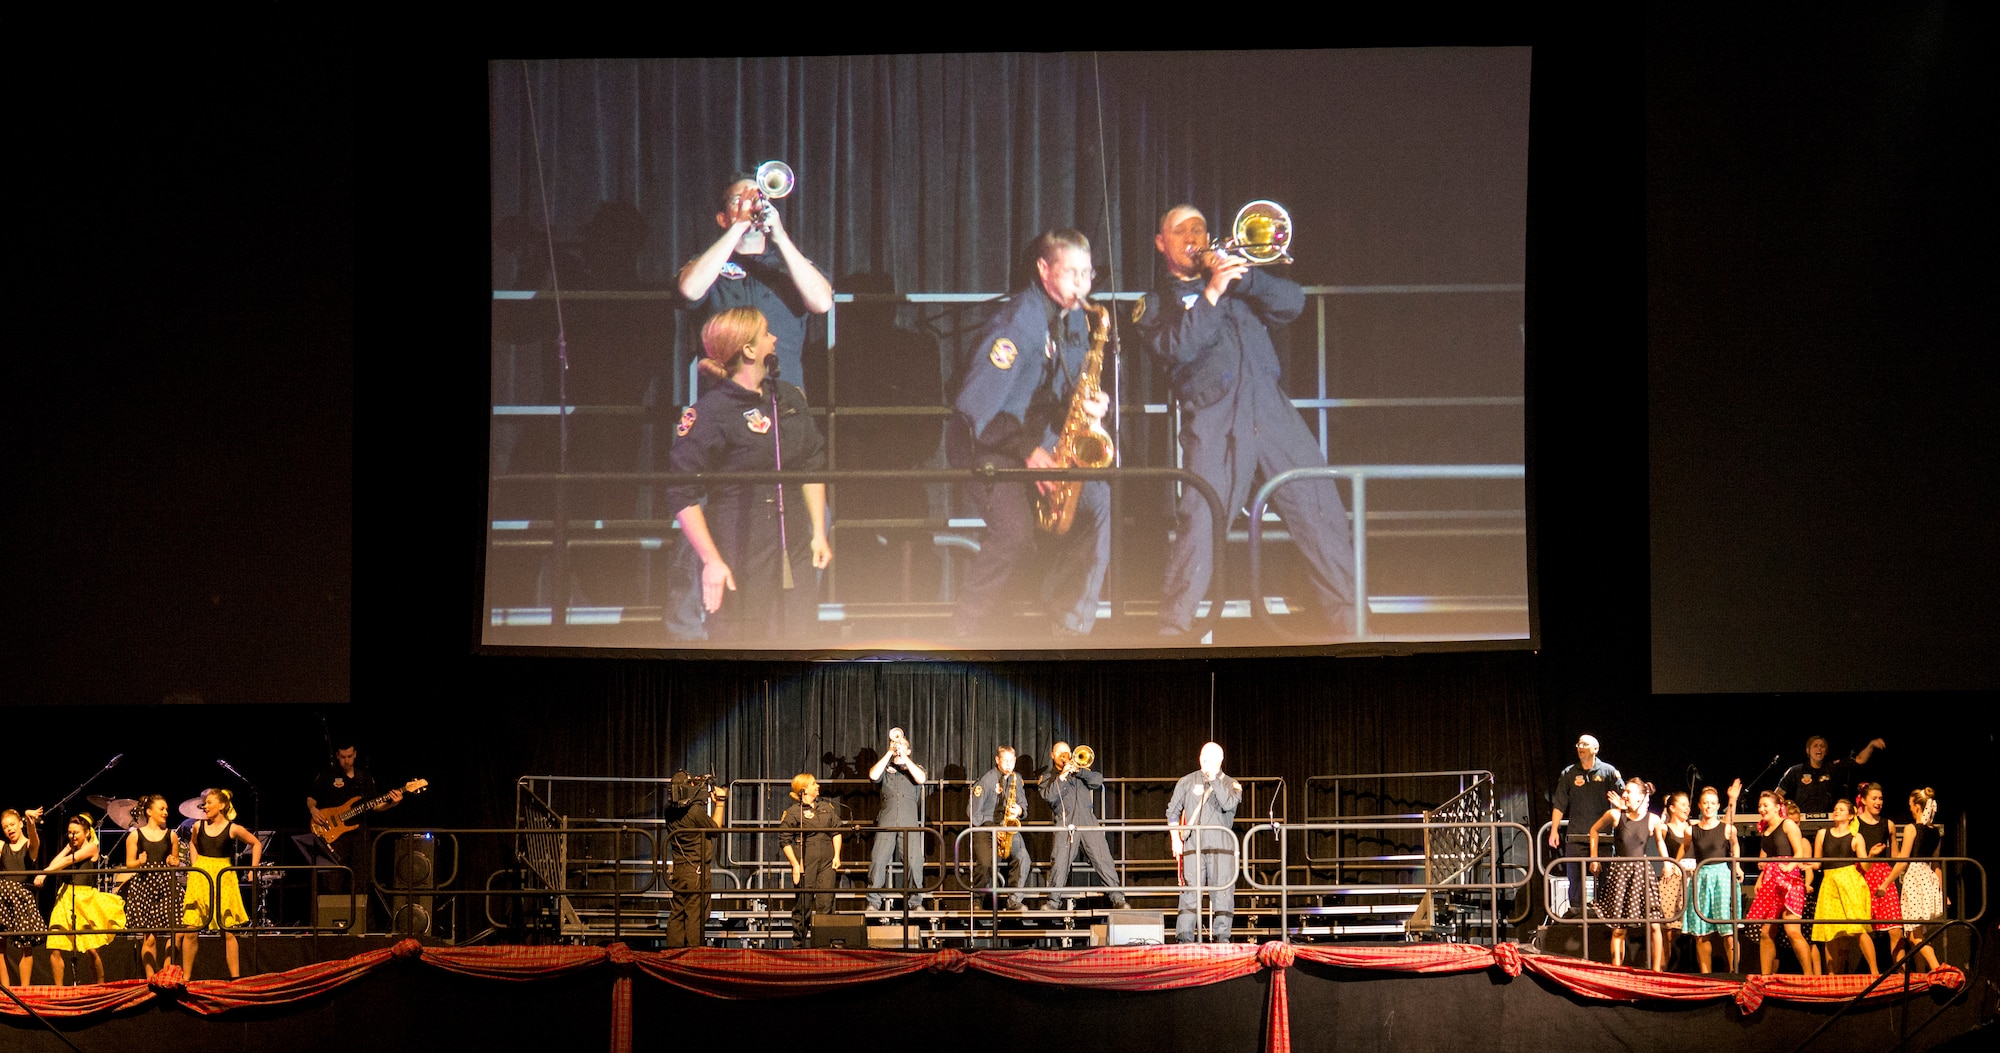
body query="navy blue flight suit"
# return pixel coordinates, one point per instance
(1014, 395)
(1237, 426)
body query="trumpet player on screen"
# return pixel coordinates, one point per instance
(1207, 325)
(1068, 788)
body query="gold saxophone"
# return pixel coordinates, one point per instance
(1083, 442)
(1008, 819)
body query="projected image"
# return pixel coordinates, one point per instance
(784, 352)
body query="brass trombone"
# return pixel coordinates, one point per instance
(1080, 758)
(1261, 234)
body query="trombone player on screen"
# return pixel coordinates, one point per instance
(1207, 325)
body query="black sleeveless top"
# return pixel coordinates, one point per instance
(82, 871)
(1632, 836)
(1710, 845)
(216, 847)
(1837, 846)
(1873, 834)
(1929, 840)
(156, 852)
(1674, 840)
(15, 860)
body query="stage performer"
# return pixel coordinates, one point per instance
(1882, 873)
(152, 897)
(79, 906)
(759, 268)
(212, 837)
(812, 843)
(1673, 876)
(999, 800)
(1014, 396)
(1815, 784)
(902, 782)
(1843, 892)
(1068, 788)
(1711, 858)
(1781, 887)
(20, 848)
(696, 807)
(1584, 791)
(1923, 879)
(342, 783)
(1208, 326)
(1206, 797)
(761, 545)
(1626, 889)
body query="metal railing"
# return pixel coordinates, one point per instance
(1491, 888)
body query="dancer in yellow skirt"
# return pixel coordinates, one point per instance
(211, 839)
(1842, 891)
(79, 905)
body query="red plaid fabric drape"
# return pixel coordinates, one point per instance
(722, 973)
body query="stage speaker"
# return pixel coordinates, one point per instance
(1127, 928)
(839, 930)
(334, 912)
(890, 937)
(416, 870)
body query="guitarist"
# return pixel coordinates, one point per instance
(336, 786)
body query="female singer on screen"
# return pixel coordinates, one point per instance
(1711, 857)
(20, 846)
(1923, 884)
(152, 897)
(1626, 888)
(1843, 894)
(79, 906)
(211, 838)
(1781, 887)
(761, 545)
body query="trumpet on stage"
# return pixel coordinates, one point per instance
(774, 180)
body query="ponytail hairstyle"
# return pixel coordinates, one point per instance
(145, 808)
(1928, 798)
(799, 784)
(724, 339)
(228, 801)
(1861, 795)
(89, 828)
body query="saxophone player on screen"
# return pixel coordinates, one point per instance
(1028, 392)
(997, 801)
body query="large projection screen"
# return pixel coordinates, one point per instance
(919, 185)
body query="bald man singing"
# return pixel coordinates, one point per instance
(1206, 798)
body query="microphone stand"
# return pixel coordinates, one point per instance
(256, 814)
(59, 808)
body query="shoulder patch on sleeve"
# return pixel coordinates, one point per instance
(1139, 309)
(1002, 354)
(978, 790)
(687, 423)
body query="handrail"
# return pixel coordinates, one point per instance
(1491, 887)
(1358, 474)
(1217, 512)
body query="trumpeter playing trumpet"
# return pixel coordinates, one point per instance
(1207, 325)
(1068, 789)
(998, 801)
(1024, 381)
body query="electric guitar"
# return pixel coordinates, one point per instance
(332, 823)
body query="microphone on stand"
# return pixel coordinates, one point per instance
(230, 770)
(113, 762)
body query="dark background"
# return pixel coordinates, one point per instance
(234, 257)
